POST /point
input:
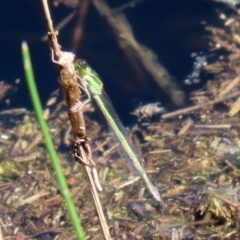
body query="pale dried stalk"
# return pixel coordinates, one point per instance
(72, 93)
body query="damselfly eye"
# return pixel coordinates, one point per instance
(82, 65)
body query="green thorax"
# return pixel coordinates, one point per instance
(88, 77)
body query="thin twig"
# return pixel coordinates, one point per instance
(230, 86)
(62, 24)
(52, 35)
(197, 107)
(213, 126)
(72, 93)
(97, 202)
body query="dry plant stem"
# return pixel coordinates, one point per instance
(72, 93)
(15, 111)
(197, 107)
(1, 235)
(217, 126)
(226, 200)
(138, 53)
(33, 198)
(52, 35)
(97, 202)
(62, 24)
(231, 165)
(230, 86)
(36, 140)
(234, 108)
(202, 222)
(186, 125)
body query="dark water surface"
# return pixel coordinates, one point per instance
(171, 29)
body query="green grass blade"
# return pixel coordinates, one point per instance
(48, 142)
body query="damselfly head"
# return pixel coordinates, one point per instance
(82, 66)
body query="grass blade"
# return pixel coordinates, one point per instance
(48, 142)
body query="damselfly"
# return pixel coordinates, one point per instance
(93, 86)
